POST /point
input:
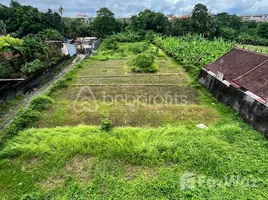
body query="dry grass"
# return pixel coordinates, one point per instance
(52, 182)
(80, 168)
(29, 164)
(136, 115)
(134, 171)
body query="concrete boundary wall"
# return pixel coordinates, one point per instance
(251, 110)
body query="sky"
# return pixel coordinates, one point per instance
(127, 8)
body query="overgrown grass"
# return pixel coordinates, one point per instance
(5, 106)
(133, 163)
(108, 162)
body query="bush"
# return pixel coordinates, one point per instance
(144, 63)
(139, 48)
(26, 118)
(33, 67)
(40, 103)
(62, 83)
(106, 125)
(5, 72)
(110, 44)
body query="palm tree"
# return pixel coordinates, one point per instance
(61, 9)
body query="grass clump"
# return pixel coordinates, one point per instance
(144, 63)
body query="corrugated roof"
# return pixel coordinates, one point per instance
(246, 68)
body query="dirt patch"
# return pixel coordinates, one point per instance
(52, 182)
(134, 171)
(30, 164)
(80, 167)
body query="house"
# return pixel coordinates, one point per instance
(255, 18)
(240, 79)
(85, 45)
(84, 18)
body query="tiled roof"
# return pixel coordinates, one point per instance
(245, 68)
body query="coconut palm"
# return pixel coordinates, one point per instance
(61, 9)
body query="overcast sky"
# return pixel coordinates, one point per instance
(125, 8)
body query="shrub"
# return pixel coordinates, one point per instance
(26, 118)
(40, 103)
(33, 67)
(144, 63)
(139, 48)
(106, 125)
(5, 72)
(62, 83)
(110, 44)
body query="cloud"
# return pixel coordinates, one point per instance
(129, 7)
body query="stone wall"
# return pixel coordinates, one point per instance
(252, 111)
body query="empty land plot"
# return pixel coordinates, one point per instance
(108, 89)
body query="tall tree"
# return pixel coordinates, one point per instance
(262, 30)
(202, 20)
(105, 23)
(149, 20)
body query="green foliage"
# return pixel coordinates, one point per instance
(144, 63)
(8, 44)
(105, 23)
(33, 49)
(139, 47)
(228, 33)
(150, 20)
(23, 20)
(62, 83)
(202, 21)
(192, 51)
(106, 124)
(128, 36)
(50, 34)
(26, 118)
(5, 71)
(35, 66)
(139, 163)
(110, 44)
(41, 102)
(262, 30)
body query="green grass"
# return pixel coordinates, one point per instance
(149, 148)
(260, 49)
(132, 163)
(4, 107)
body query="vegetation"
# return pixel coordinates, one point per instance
(144, 63)
(193, 52)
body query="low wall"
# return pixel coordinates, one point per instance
(252, 111)
(15, 88)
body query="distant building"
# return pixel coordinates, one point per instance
(255, 18)
(84, 18)
(185, 16)
(171, 17)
